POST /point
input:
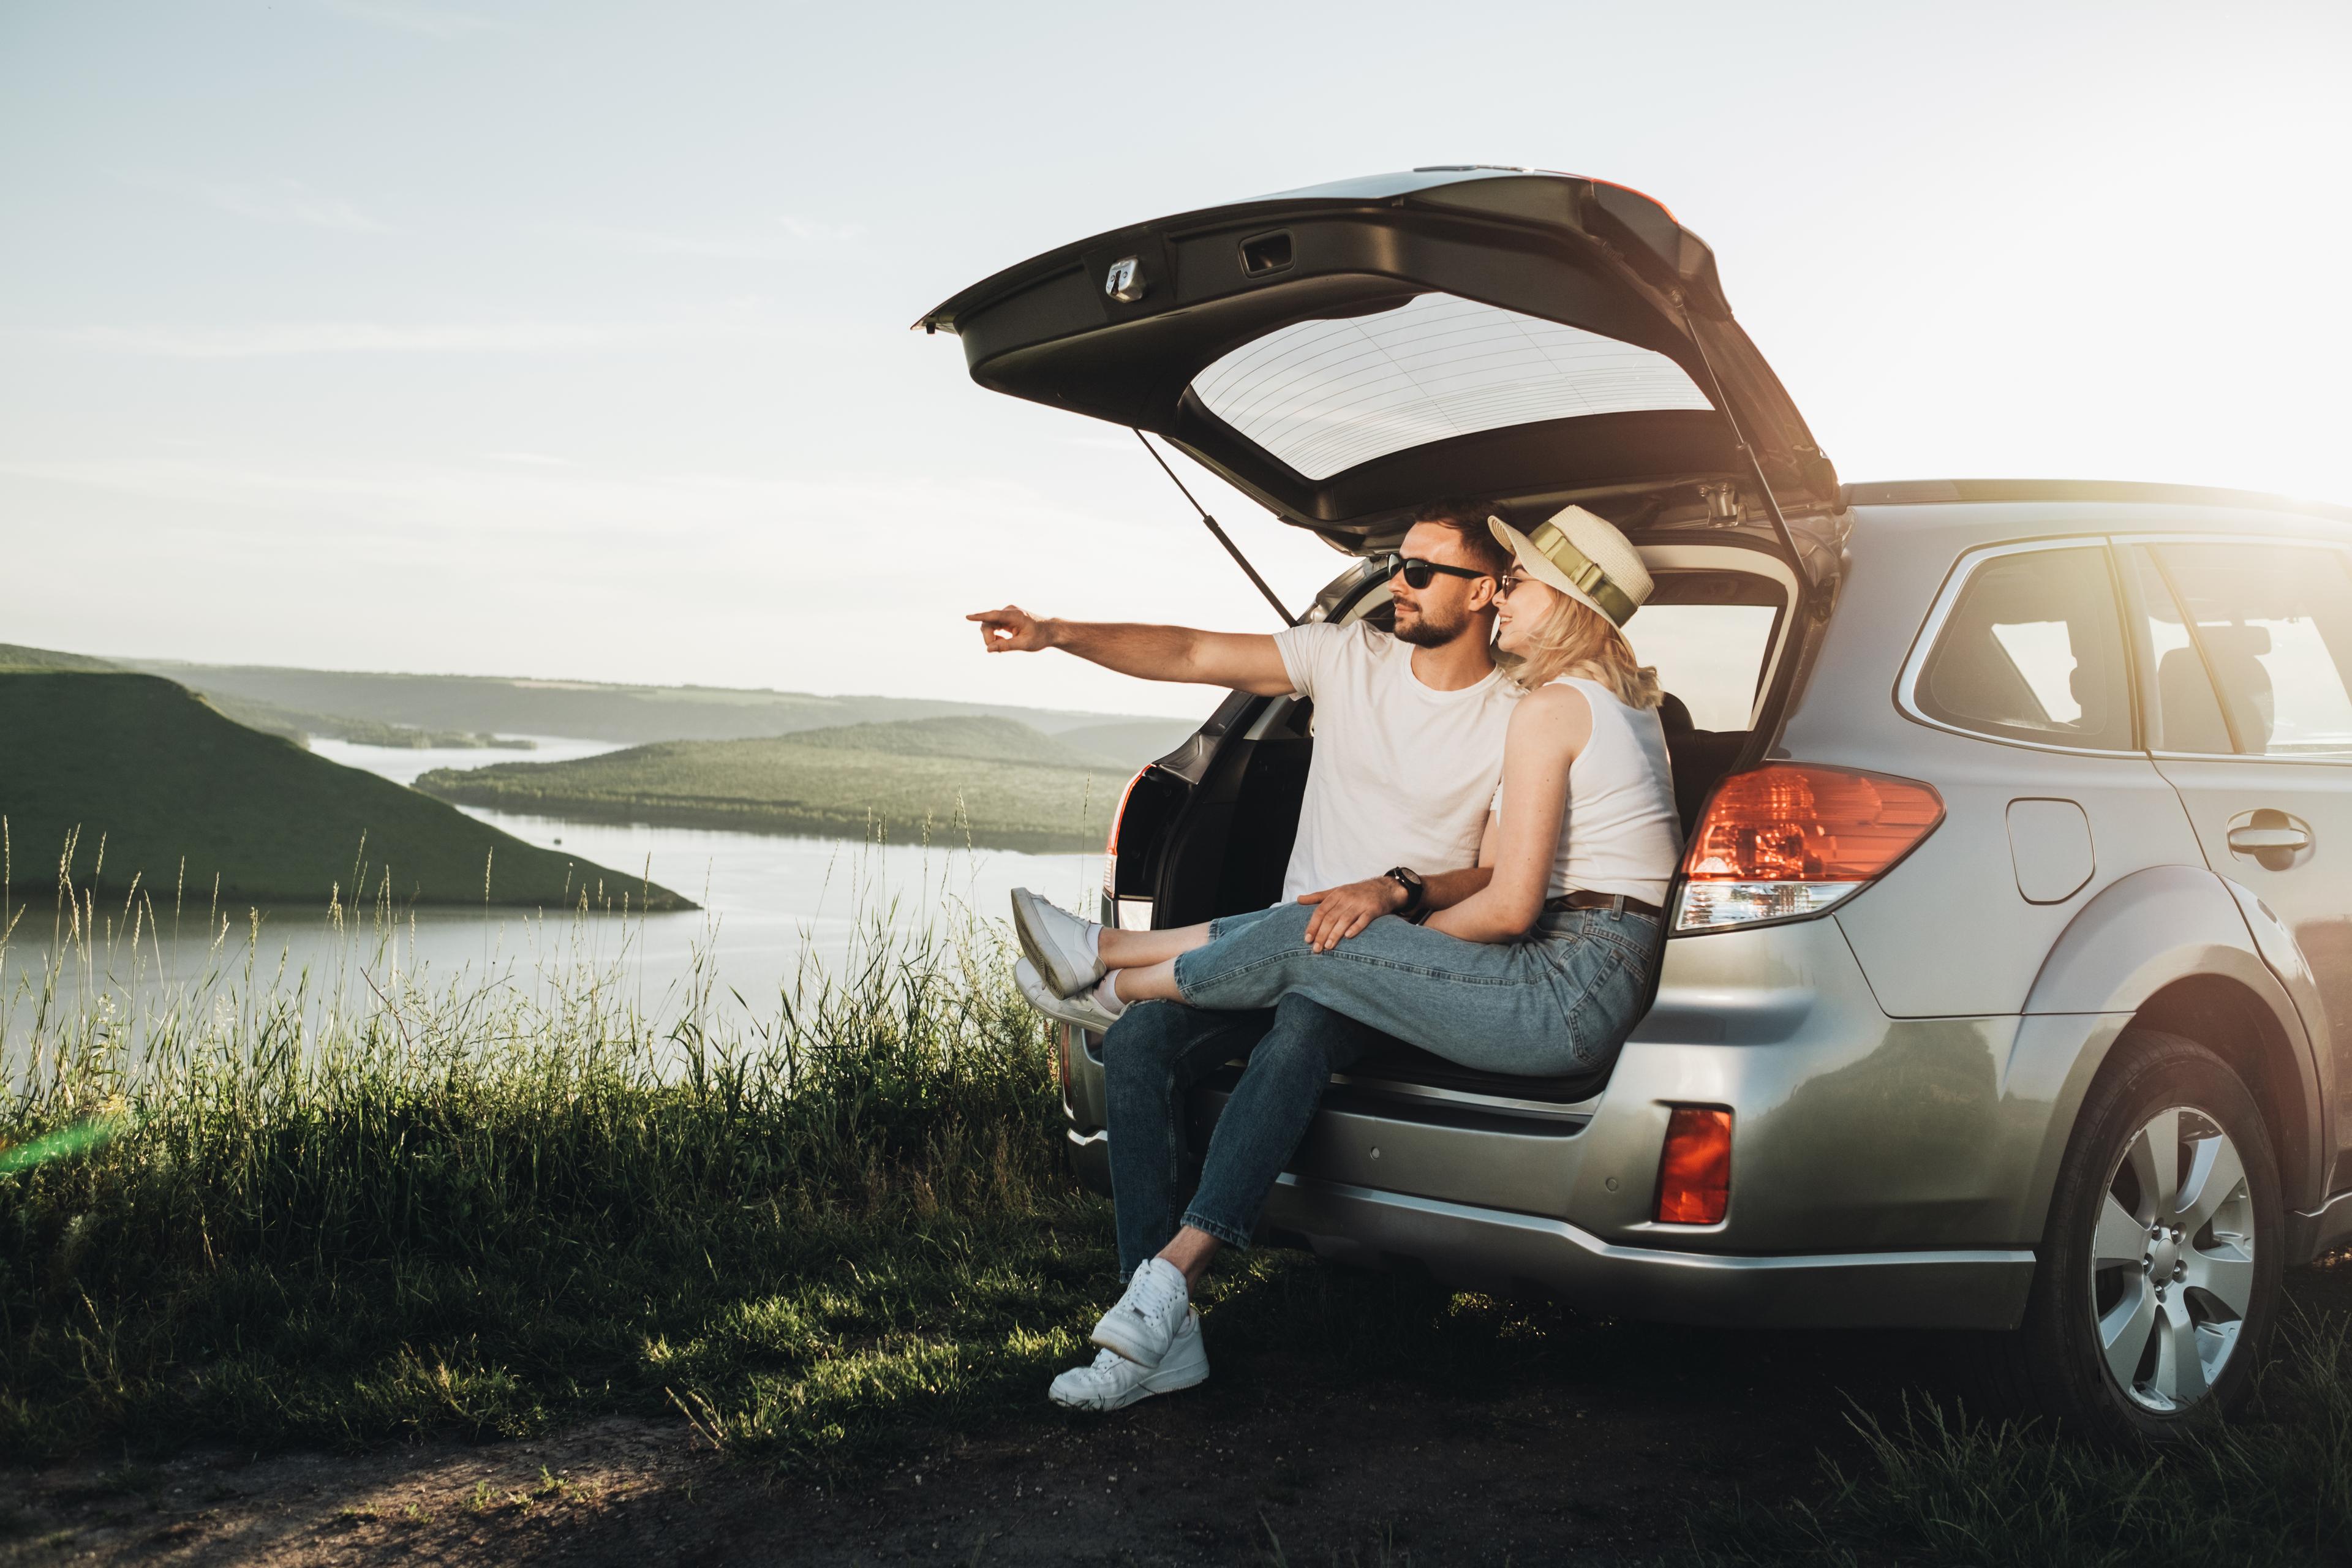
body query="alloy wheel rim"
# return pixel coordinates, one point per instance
(2172, 1259)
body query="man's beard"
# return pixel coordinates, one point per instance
(1427, 631)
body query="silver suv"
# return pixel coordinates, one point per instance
(2008, 983)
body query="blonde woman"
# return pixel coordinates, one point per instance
(1534, 960)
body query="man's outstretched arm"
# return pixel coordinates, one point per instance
(1246, 661)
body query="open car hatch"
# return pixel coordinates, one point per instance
(1346, 353)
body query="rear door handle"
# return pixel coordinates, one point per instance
(2253, 840)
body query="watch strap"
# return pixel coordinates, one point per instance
(1416, 891)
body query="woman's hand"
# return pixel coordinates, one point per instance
(1341, 912)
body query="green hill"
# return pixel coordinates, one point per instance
(14, 661)
(161, 777)
(1130, 744)
(1009, 785)
(588, 709)
(270, 717)
(963, 735)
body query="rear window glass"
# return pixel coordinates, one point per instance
(1324, 397)
(2274, 624)
(2033, 650)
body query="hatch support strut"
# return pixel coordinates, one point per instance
(1740, 439)
(1231, 548)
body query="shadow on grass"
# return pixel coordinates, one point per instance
(1937, 1486)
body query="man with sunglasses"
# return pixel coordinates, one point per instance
(1409, 730)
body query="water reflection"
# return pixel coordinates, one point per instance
(769, 897)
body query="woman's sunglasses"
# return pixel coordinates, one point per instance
(1419, 574)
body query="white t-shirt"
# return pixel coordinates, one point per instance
(1621, 833)
(1402, 775)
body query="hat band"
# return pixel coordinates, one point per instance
(1584, 571)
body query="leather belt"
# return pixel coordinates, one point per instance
(1584, 900)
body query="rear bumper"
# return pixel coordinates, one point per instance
(1498, 1251)
(1884, 1171)
(1475, 1246)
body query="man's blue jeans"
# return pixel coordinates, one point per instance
(1151, 1059)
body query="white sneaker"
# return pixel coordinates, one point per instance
(1113, 1381)
(1057, 943)
(1082, 1009)
(1148, 1318)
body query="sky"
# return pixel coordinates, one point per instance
(569, 340)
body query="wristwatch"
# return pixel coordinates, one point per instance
(1416, 891)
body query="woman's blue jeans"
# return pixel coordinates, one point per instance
(1561, 999)
(1151, 1059)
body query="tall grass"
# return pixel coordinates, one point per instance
(332, 1206)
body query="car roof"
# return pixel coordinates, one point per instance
(1916, 492)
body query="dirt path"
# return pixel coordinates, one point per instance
(1604, 1466)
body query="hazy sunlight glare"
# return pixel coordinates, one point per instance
(600, 367)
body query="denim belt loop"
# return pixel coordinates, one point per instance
(1617, 907)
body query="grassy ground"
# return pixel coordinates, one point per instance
(829, 1244)
(202, 812)
(1004, 784)
(455, 1210)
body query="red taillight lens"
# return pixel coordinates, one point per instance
(1695, 1175)
(1110, 846)
(1793, 839)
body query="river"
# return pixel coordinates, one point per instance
(772, 906)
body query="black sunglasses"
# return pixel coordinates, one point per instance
(1419, 574)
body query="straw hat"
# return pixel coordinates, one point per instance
(1584, 557)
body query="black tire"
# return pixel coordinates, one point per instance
(2054, 1364)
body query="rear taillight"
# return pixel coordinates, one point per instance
(1792, 840)
(1694, 1175)
(1110, 846)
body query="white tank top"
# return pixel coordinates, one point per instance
(1621, 833)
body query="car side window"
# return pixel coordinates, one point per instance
(2274, 622)
(2034, 650)
(2187, 715)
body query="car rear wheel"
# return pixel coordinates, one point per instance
(2158, 1274)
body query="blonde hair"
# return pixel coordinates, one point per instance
(1573, 639)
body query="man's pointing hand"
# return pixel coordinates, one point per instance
(1011, 630)
(1246, 661)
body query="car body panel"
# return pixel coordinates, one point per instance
(2307, 900)
(2142, 933)
(1902, 926)
(2321, 1048)
(1898, 565)
(2156, 929)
